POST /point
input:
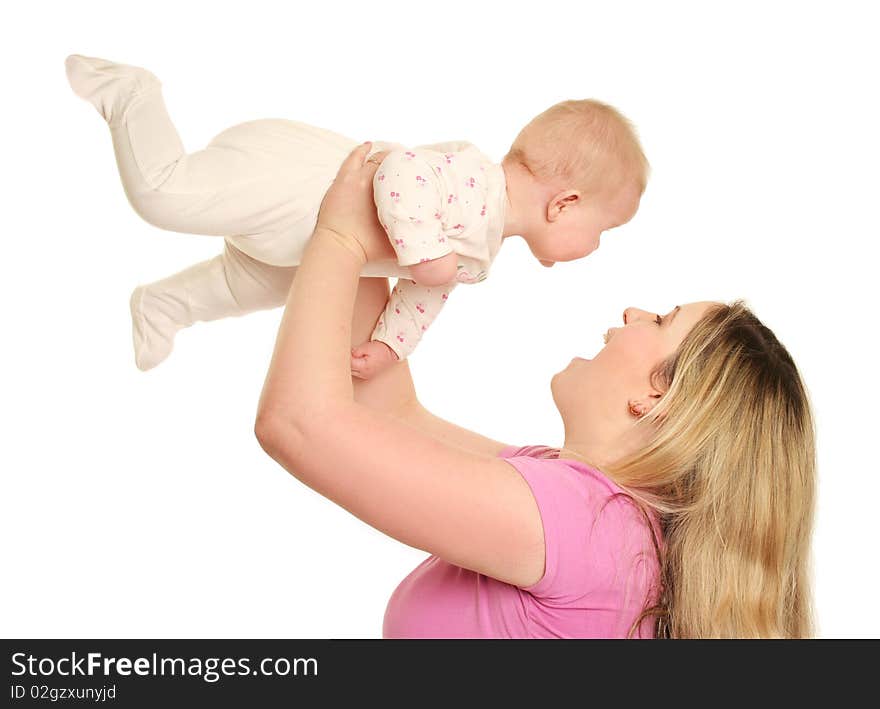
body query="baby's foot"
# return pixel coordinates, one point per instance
(153, 327)
(110, 87)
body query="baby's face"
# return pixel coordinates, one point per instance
(577, 232)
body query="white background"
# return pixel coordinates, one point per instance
(140, 504)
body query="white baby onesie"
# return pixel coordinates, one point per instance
(433, 201)
(259, 185)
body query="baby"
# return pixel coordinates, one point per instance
(574, 171)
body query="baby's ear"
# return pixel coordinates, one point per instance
(560, 202)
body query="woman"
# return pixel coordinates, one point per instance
(680, 505)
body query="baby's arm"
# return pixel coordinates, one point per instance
(409, 312)
(408, 197)
(435, 272)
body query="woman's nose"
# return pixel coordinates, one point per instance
(631, 314)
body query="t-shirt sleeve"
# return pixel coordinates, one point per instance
(593, 538)
(408, 198)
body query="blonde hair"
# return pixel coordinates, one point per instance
(730, 468)
(587, 143)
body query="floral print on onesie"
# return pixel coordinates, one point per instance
(433, 201)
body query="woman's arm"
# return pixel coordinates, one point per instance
(475, 511)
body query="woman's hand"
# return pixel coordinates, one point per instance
(348, 209)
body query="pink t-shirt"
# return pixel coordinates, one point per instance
(600, 568)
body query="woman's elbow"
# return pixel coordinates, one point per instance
(277, 435)
(265, 430)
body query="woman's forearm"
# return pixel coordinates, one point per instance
(310, 368)
(309, 380)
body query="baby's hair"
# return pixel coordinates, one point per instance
(588, 143)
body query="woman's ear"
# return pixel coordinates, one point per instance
(560, 202)
(643, 405)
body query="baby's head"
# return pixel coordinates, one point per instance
(573, 172)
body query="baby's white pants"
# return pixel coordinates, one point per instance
(258, 185)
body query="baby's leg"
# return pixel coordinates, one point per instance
(229, 284)
(236, 185)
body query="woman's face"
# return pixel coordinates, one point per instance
(596, 396)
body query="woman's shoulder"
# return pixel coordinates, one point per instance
(591, 525)
(540, 452)
(576, 470)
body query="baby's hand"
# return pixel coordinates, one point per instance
(370, 358)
